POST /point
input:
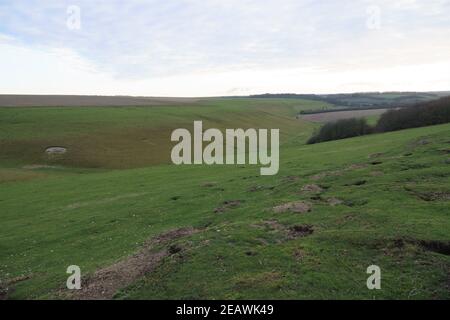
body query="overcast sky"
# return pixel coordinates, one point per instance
(223, 47)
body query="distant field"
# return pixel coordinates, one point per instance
(366, 100)
(339, 115)
(130, 137)
(67, 101)
(141, 228)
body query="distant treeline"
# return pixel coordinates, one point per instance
(420, 115)
(360, 100)
(306, 112)
(427, 114)
(341, 129)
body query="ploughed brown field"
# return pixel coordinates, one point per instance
(85, 101)
(339, 115)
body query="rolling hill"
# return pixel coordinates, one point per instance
(141, 228)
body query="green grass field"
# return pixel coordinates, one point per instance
(379, 199)
(119, 138)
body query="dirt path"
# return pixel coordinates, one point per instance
(104, 283)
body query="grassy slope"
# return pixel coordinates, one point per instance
(332, 262)
(93, 218)
(133, 136)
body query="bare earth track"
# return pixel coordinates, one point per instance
(104, 283)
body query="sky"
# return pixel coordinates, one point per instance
(195, 48)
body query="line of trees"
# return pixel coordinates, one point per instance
(341, 129)
(428, 114)
(316, 111)
(420, 115)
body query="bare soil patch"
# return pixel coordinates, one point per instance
(434, 196)
(274, 224)
(318, 176)
(208, 184)
(18, 279)
(299, 254)
(314, 188)
(251, 253)
(295, 207)
(356, 166)
(335, 173)
(334, 201)
(356, 183)
(6, 287)
(375, 155)
(289, 232)
(299, 231)
(316, 197)
(355, 203)
(267, 279)
(172, 235)
(226, 205)
(260, 188)
(104, 283)
(322, 175)
(291, 178)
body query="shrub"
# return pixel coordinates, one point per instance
(341, 129)
(419, 115)
(427, 114)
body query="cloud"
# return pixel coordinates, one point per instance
(149, 41)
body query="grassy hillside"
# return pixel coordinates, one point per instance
(130, 137)
(221, 231)
(365, 100)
